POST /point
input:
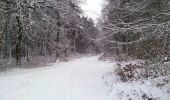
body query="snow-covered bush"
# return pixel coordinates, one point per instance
(135, 71)
(2, 65)
(157, 70)
(136, 80)
(129, 72)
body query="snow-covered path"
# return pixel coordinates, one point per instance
(79, 79)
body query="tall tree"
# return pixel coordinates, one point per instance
(138, 26)
(34, 28)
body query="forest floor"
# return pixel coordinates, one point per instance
(85, 78)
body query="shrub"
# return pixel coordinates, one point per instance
(133, 72)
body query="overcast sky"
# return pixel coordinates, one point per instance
(92, 8)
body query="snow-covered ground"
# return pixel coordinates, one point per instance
(139, 90)
(81, 79)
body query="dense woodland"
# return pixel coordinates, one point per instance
(56, 29)
(137, 29)
(140, 29)
(34, 29)
(123, 55)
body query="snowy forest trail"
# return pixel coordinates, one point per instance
(79, 79)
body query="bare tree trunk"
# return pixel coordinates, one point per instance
(58, 34)
(19, 41)
(7, 35)
(27, 51)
